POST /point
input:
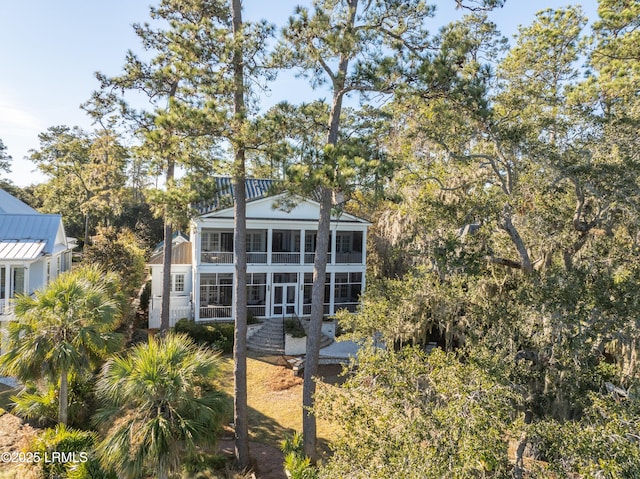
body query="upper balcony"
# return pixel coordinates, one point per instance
(280, 246)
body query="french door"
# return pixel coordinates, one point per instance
(285, 299)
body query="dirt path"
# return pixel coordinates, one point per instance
(267, 460)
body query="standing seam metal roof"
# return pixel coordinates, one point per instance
(30, 227)
(11, 204)
(20, 250)
(255, 189)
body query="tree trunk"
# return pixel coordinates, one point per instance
(314, 333)
(63, 396)
(86, 231)
(165, 308)
(320, 264)
(239, 249)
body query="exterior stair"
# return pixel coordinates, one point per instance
(270, 337)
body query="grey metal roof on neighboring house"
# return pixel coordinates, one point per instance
(30, 227)
(255, 189)
(20, 250)
(10, 204)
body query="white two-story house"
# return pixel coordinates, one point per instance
(33, 250)
(280, 255)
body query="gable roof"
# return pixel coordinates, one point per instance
(11, 204)
(176, 238)
(30, 228)
(255, 188)
(260, 190)
(180, 254)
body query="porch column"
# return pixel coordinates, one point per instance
(332, 295)
(26, 280)
(196, 246)
(333, 246)
(302, 246)
(11, 290)
(364, 247)
(5, 293)
(195, 290)
(269, 244)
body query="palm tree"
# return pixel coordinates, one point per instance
(67, 327)
(159, 406)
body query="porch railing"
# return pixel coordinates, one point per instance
(306, 309)
(351, 307)
(215, 312)
(257, 311)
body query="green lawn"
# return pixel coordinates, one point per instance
(275, 410)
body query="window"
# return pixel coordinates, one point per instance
(256, 294)
(349, 247)
(306, 293)
(286, 241)
(216, 289)
(310, 238)
(177, 283)
(256, 241)
(18, 280)
(217, 241)
(347, 289)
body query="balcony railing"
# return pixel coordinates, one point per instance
(285, 258)
(256, 257)
(217, 257)
(309, 258)
(226, 257)
(354, 257)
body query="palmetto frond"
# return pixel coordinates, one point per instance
(159, 404)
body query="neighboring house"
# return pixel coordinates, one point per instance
(280, 255)
(33, 250)
(181, 282)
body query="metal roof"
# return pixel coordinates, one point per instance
(255, 189)
(10, 204)
(30, 227)
(20, 250)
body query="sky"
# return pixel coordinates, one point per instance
(50, 50)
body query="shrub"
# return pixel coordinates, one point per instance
(197, 465)
(293, 327)
(78, 445)
(218, 336)
(295, 462)
(40, 406)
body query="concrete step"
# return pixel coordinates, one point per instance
(269, 338)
